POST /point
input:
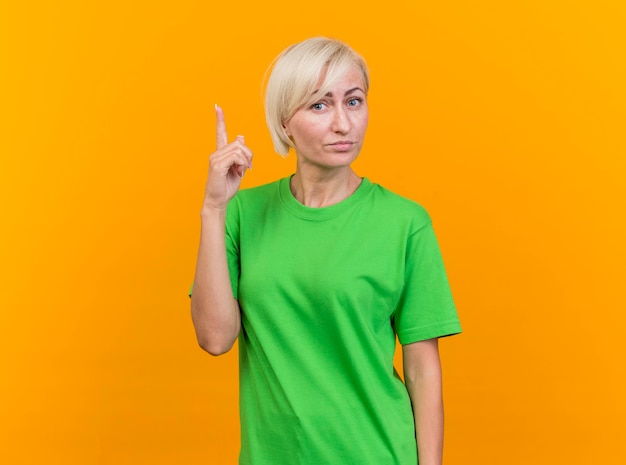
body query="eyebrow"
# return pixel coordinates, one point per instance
(348, 92)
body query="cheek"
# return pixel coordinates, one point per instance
(307, 132)
(362, 123)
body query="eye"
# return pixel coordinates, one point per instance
(354, 102)
(318, 106)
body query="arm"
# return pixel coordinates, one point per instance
(214, 311)
(422, 375)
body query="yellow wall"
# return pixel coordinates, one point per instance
(505, 120)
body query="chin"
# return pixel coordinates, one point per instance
(329, 160)
(339, 162)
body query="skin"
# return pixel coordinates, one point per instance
(215, 313)
(422, 376)
(328, 137)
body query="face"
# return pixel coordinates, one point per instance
(329, 134)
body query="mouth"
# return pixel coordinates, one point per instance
(342, 145)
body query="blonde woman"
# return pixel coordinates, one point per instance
(315, 275)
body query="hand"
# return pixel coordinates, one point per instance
(226, 166)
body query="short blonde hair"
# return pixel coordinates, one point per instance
(294, 78)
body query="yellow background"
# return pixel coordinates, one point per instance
(505, 120)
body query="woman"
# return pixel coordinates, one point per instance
(316, 274)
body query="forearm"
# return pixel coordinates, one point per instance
(423, 382)
(214, 311)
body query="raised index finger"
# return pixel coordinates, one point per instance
(221, 137)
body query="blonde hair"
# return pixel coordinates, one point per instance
(295, 76)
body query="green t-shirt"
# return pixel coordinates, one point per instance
(323, 293)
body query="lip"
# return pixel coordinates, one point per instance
(342, 145)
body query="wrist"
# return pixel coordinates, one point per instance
(211, 212)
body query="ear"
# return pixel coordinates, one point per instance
(286, 130)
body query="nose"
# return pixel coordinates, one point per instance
(340, 121)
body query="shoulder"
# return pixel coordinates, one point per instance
(398, 208)
(261, 191)
(250, 206)
(255, 197)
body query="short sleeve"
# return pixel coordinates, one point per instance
(232, 245)
(426, 309)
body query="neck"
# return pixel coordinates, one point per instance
(322, 189)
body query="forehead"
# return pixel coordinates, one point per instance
(351, 80)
